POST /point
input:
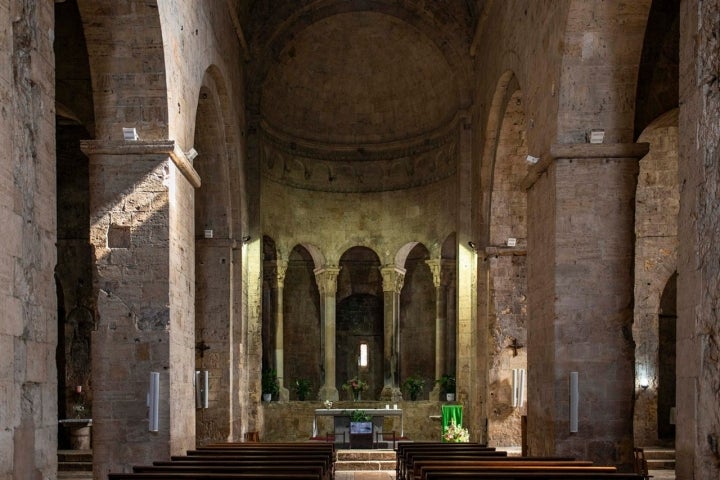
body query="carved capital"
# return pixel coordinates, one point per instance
(393, 278)
(326, 278)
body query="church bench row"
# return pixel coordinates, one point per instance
(407, 452)
(521, 463)
(512, 467)
(518, 475)
(242, 462)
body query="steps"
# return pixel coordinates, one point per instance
(659, 458)
(365, 460)
(74, 464)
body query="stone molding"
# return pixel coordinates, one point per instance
(145, 147)
(584, 151)
(326, 278)
(350, 168)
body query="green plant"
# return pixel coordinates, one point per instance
(270, 382)
(359, 416)
(302, 388)
(447, 383)
(414, 385)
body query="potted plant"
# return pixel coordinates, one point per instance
(270, 384)
(447, 385)
(302, 388)
(414, 385)
(361, 429)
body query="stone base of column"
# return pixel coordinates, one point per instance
(391, 394)
(434, 395)
(328, 393)
(284, 395)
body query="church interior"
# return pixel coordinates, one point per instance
(253, 210)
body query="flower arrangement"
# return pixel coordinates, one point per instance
(455, 433)
(355, 386)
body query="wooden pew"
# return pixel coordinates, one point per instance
(500, 462)
(211, 476)
(405, 460)
(519, 475)
(317, 470)
(405, 451)
(422, 472)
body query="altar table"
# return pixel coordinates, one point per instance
(341, 417)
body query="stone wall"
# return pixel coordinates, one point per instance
(28, 331)
(697, 441)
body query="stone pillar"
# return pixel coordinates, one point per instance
(440, 323)
(281, 268)
(142, 234)
(697, 437)
(580, 279)
(327, 284)
(393, 279)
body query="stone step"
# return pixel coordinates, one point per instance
(366, 455)
(662, 464)
(654, 453)
(75, 466)
(365, 466)
(75, 456)
(74, 475)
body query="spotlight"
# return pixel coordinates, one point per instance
(246, 239)
(472, 245)
(130, 134)
(191, 154)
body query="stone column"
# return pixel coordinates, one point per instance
(393, 279)
(280, 269)
(327, 284)
(439, 273)
(142, 234)
(580, 279)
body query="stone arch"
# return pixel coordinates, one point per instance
(657, 204)
(302, 322)
(360, 318)
(507, 268)
(214, 245)
(417, 319)
(74, 122)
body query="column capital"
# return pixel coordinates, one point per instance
(442, 270)
(280, 270)
(326, 278)
(393, 278)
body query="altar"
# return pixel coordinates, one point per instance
(341, 419)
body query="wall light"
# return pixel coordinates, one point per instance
(472, 245)
(191, 154)
(153, 402)
(130, 134)
(596, 136)
(245, 239)
(574, 401)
